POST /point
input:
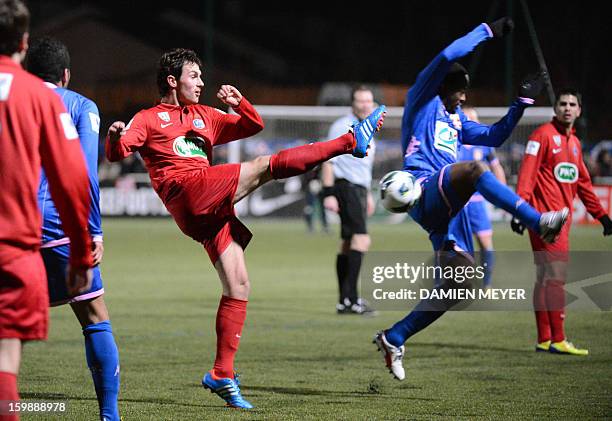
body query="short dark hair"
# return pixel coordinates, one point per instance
(359, 88)
(47, 58)
(456, 78)
(14, 22)
(569, 91)
(171, 63)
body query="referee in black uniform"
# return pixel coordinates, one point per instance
(346, 187)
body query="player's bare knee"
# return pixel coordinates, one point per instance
(261, 168)
(240, 287)
(262, 164)
(361, 242)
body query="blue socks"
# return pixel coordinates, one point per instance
(418, 319)
(487, 259)
(502, 197)
(103, 361)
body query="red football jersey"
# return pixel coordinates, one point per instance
(35, 129)
(175, 140)
(553, 172)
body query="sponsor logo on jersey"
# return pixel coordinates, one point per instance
(164, 116)
(6, 80)
(566, 172)
(198, 123)
(556, 150)
(164, 125)
(189, 147)
(445, 138)
(478, 155)
(557, 140)
(532, 148)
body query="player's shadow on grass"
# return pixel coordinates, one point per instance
(68, 398)
(303, 391)
(468, 347)
(313, 358)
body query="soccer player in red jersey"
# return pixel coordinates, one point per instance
(35, 129)
(176, 140)
(551, 174)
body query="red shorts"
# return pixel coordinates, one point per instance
(555, 252)
(24, 300)
(202, 206)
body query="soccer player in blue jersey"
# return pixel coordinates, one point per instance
(476, 209)
(49, 59)
(433, 129)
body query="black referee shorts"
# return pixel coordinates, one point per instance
(352, 200)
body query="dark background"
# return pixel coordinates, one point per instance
(282, 53)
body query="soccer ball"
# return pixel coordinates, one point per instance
(399, 191)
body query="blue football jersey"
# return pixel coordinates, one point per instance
(431, 136)
(86, 118)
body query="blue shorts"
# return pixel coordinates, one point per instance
(56, 263)
(479, 218)
(438, 206)
(460, 231)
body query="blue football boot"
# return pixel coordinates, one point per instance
(227, 389)
(364, 131)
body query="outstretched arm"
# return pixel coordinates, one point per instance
(227, 128)
(122, 140)
(428, 81)
(496, 134)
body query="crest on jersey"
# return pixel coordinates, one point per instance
(445, 138)
(164, 116)
(189, 147)
(575, 150)
(198, 123)
(566, 172)
(557, 140)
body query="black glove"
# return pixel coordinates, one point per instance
(501, 27)
(607, 225)
(532, 85)
(517, 226)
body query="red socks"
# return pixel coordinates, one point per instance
(555, 299)
(8, 392)
(541, 314)
(230, 320)
(549, 305)
(296, 161)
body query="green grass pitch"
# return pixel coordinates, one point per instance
(298, 359)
